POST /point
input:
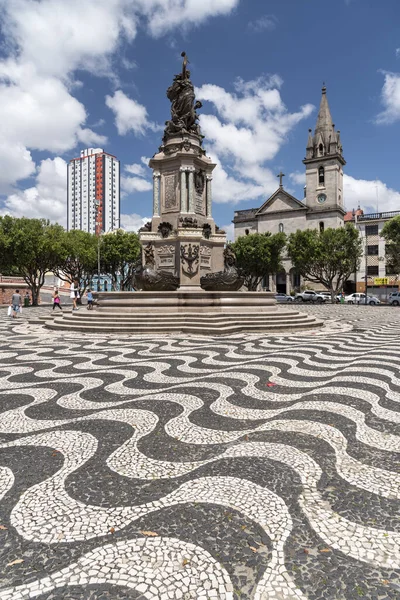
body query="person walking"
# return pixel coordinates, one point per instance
(89, 296)
(16, 303)
(56, 300)
(74, 294)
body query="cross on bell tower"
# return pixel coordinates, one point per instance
(281, 176)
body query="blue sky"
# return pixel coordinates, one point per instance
(78, 74)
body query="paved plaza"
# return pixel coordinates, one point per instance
(242, 467)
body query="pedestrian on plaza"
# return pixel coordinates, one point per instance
(27, 299)
(56, 300)
(74, 294)
(89, 296)
(16, 303)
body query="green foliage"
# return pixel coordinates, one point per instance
(259, 255)
(328, 257)
(30, 248)
(119, 252)
(391, 233)
(78, 257)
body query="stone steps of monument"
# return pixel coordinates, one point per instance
(223, 326)
(134, 318)
(180, 319)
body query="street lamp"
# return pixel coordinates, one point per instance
(101, 232)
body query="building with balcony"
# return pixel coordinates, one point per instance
(381, 281)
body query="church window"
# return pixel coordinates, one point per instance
(321, 176)
(321, 226)
(321, 149)
(281, 228)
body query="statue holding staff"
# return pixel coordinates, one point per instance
(183, 107)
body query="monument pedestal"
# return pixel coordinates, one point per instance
(183, 239)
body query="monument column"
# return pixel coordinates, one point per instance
(209, 196)
(191, 189)
(184, 195)
(156, 193)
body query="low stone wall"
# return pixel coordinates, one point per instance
(8, 289)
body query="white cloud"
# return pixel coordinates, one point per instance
(38, 112)
(230, 232)
(249, 129)
(129, 114)
(298, 178)
(390, 98)
(47, 199)
(264, 23)
(164, 15)
(130, 185)
(229, 189)
(16, 163)
(370, 195)
(137, 169)
(133, 222)
(89, 138)
(59, 37)
(44, 44)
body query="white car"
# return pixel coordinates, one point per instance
(394, 299)
(358, 298)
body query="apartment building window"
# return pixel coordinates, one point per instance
(373, 250)
(373, 270)
(371, 230)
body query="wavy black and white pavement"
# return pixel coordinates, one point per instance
(242, 467)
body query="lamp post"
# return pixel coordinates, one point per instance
(101, 232)
(366, 266)
(98, 259)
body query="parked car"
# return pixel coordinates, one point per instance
(328, 297)
(310, 296)
(394, 299)
(282, 298)
(358, 298)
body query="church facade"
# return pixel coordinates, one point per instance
(321, 207)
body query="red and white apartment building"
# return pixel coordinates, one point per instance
(94, 192)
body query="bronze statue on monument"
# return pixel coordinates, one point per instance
(183, 106)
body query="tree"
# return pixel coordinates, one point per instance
(119, 252)
(78, 257)
(259, 255)
(391, 233)
(30, 248)
(328, 257)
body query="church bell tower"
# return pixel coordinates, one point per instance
(324, 171)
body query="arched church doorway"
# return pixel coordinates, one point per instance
(281, 282)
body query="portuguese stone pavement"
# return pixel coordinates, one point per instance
(243, 467)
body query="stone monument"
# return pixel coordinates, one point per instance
(188, 281)
(183, 237)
